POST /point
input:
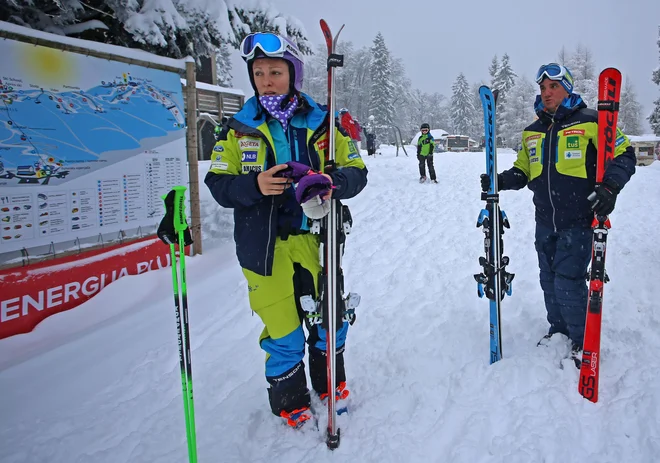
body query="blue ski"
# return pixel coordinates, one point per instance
(494, 281)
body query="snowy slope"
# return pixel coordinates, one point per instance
(101, 383)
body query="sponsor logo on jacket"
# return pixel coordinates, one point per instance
(219, 165)
(572, 142)
(249, 144)
(249, 156)
(573, 132)
(620, 140)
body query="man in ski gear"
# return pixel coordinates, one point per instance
(425, 147)
(371, 143)
(558, 163)
(275, 248)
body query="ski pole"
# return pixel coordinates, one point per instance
(183, 332)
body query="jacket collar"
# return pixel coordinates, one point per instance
(309, 114)
(568, 106)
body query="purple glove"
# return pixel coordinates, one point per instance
(295, 171)
(312, 185)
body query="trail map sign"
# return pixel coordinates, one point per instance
(87, 145)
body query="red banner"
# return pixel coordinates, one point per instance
(32, 293)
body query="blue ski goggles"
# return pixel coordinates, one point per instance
(556, 72)
(271, 45)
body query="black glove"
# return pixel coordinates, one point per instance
(485, 182)
(166, 231)
(603, 198)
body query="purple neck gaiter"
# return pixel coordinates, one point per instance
(272, 104)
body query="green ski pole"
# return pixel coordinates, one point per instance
(185, 358)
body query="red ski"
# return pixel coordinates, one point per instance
(331, 254)
(609, 90)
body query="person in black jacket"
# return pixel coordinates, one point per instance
(557, 161)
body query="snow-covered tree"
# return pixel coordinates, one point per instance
(316, 74)
(630, 111)
(654, 117)
(563, 57)
(382, 88)
(223, 65)
(583, 68)
(504, 80)
(476, 131)
(492, 69)
(403, 96)
(426, 107)
(174, 28)
(462, 106)
(519, 112)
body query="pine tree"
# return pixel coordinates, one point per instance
(316, 74)
(654, 117)
(402, 95)
(583, 69)
(519, 112)
(382, 89)
(493, 69)
(223, 65)
(563, 57)
(630, 111)
(504, 80)
(476, 131)
(462, 106)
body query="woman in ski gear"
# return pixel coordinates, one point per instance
(557, 162)
(425, 147)
(275, 248)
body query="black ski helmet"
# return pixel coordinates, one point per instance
(425, 125)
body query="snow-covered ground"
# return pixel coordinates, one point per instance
(101, 383)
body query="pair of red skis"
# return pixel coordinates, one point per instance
(609, 91)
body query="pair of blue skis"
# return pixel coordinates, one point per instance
(494, 281)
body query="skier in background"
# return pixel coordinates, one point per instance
(278, 254)
(425, 147)
(348, 124)
(371, 143)
(558, 163)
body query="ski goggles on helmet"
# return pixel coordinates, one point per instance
(552, 71)
(556, 72)
(271, 45)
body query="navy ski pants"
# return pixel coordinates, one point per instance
(564, 257)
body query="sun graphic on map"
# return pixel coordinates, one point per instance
(48, 65)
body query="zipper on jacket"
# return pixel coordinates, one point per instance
(295, 144)
(550, 157)
(270, 235)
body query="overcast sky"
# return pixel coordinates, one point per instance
(439, 39)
